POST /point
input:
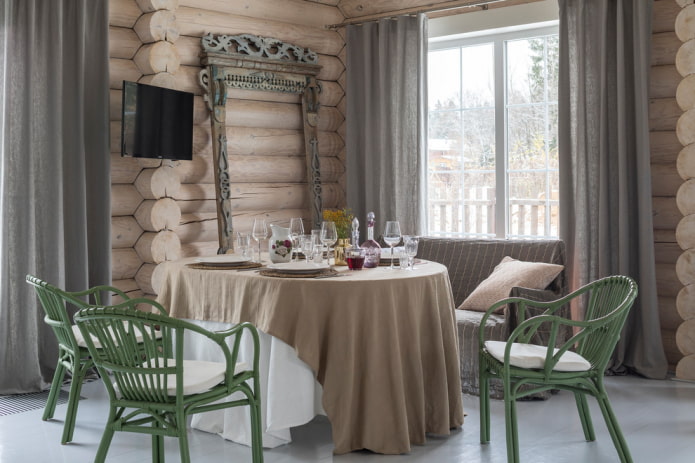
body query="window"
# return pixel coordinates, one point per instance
(492, 142)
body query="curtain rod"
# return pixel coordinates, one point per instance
(432, 7)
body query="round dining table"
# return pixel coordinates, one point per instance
(375, 349)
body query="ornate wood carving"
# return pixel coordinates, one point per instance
(247, 61)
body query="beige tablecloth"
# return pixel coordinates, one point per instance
(381, 342)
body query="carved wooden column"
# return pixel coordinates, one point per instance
(250, 62)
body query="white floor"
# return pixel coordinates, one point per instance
(657, 418)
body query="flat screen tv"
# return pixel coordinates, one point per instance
(156, 122)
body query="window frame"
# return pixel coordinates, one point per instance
(498, 37)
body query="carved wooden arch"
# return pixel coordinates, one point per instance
(251, 62)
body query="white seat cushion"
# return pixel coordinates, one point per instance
(532, 356)
(81, 342)
(198, 375)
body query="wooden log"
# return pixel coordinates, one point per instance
(123, 42)
(685, 302)
(157, 279)
(664, 16)
(664, 146)
(668, 340)
(684, 91)
(685, 129)
(155, 216)
(123, 13)
(666, 214)
(125, 232)
(330, 119)
(331, 93)
(200, 248)
(685, 164)
(669, 318)
(120, 70)
(685, 268)
(342, 107)
(124, 169)
(667, 253)
(196, 22)
(289, 11)
(144, 277)
(157, 26)
(684, 3)
(665, 179)
(663, 113)
(663, 81)
(158, 247)
(685, 23)
(156, 57)
(665, 236)
(125, 263)
(685, 58)
(685, 337)
(685, 198)
(664, 48)
(685, 369)
(685, 232)
(158, 183)
(331, 68)
(148, 163)
(193, 206)
(161, 79)
(125, 199)
(667, 283)
(153, 5)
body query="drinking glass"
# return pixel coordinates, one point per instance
(259, 233)
(243, 241)
(329, 236)
(296, 232)
(410, 247)
(307, 246)
(392, 236)
(317, 246)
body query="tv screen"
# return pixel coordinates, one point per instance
(157, 122)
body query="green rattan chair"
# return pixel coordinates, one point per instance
(152, 389)
(73, 356)
(577, 365)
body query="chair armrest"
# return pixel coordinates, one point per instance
(96, 292)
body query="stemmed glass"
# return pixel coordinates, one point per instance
(259, 233)
(392, 236)
(410, 247)
(329, 236)
(296, 233)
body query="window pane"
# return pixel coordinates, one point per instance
(444, 131)
(479, 139)
(526, 71)
(527, 136)
(443, 74)
(478, 76)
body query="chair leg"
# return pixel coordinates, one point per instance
(56, 384)
(585, 416)
(183, 438)
(73, 402)
(511, 424)
(256, 431)
(614, 428)
(484, 400)
(157, 446)
(105, 439)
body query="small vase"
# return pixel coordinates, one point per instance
(339, 250)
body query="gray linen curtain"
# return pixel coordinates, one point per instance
(605, 183)
(54, 177)
(386, 121)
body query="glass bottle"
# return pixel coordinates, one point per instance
(371, 247)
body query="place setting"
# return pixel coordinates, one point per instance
(299, 269)
(224, 262)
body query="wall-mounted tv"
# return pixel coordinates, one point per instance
(157, 122)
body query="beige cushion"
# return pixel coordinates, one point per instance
(198, 376)
(508, 274)
(531, 356)
(81, 342)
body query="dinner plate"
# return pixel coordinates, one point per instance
(298, 267)
(223, 260)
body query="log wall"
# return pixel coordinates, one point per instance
(164, 210)
(681, 312)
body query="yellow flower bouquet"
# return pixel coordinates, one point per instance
(343, 220)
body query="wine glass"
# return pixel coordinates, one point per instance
(296, 232)
(410, 247)
(329, 235)
(259, 233)
(392, 236)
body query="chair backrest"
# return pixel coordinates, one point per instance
(53, 301)
(142, 352)
(608, 303)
